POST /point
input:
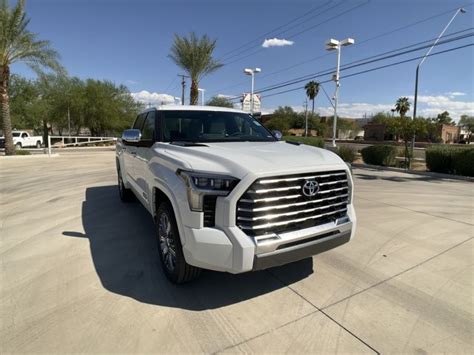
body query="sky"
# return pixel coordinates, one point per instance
(128, 42)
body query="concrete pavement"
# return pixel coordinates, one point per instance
(79, 273)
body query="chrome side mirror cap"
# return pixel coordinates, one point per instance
(131, 135)
(277, 134)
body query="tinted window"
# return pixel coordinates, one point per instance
(148, 131)
(210, 126)
(139, 121)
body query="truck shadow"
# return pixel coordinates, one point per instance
(125, 255)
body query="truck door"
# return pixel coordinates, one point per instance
(129, 154)
(144, 154)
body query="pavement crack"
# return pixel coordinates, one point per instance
(398, 274)
(416, 211)
(323, 312)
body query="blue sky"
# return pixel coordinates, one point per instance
(128, 42)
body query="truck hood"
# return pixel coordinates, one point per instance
(260, 158)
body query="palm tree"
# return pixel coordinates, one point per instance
(194, 55)
(312, 90)
(17, 44)
(402, 106)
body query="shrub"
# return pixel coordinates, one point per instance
(380, 155)
(346, 153)
(464, 162)
(439, 159)
(22, 152)
(314, 141)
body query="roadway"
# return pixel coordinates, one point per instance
(79, 273)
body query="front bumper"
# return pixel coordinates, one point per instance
(231, 250)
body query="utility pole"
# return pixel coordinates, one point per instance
(183, 86)
(306, 117)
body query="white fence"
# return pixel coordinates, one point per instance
(73, 141)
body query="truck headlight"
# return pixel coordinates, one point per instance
(202, 184)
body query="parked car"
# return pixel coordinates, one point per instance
(22, 139)
(227, 195)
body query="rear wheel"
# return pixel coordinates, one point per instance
(171, 251)
(126, 195)
(18, 145)
(38, 144)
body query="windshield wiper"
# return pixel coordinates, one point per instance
(188, 144)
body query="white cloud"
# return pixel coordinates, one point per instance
(131, 82)
(455, 93)
(225, 96)
(276, 42)
(153, 98)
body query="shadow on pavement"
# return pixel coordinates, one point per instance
(125, 256)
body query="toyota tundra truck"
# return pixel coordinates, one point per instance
(228, 195)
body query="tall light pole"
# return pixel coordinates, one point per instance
(415, 103)
(336, 45)
(252, 73)
(202, 95)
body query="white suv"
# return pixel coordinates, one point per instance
(227, 195)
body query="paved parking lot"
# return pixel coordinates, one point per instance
(79, 273)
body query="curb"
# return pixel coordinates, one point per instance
(29, 156)
(415, 172)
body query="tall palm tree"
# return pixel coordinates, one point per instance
(194, 55)
(312, 90)
(402, 106)
(17, 44)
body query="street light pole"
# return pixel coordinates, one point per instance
(415, 101)
(252, 73)
(333, 44)
(202, 95)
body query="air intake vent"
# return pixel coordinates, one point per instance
(293, 202)
(209, 207)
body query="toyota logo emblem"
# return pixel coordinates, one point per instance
(310, 188)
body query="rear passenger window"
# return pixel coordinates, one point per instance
(139, 121)
(148, 131)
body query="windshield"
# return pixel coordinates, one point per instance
(16, 134)
(209, 126)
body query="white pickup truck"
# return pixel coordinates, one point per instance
(227, 195)
(22, 139)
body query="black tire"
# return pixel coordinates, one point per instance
(18, 145)
(38, 144)
(126, 195)
(169, 243)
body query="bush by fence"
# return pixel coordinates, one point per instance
(346, 153)
(314, 141)
(380, 155)
(450, 160)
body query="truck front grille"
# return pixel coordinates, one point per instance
(281, 204)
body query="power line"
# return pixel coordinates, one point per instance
(277, 28)
(358, 63)
(299, 33)
(356, 44)
(376, 68)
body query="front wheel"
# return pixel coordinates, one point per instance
(18, 145)
(126, 195)
(171, 251)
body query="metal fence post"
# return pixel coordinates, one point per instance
(49, 145)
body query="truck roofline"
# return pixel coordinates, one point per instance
(192, 108)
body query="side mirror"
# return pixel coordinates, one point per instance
(277, 134)
(131, 135)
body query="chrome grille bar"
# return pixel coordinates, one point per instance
(272, 181)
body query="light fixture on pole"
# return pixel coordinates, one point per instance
(252, 73)
(415, 101)
(336, 45)
(202, 95)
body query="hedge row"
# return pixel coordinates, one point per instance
(380, 155)
(450, 160)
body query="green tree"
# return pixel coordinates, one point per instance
(220, 101)
(18, 44)
(467, 123)
(24, 100)
(402, 106)
(312, 90)
(381, 118)
(443, 118)
(194, 55)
